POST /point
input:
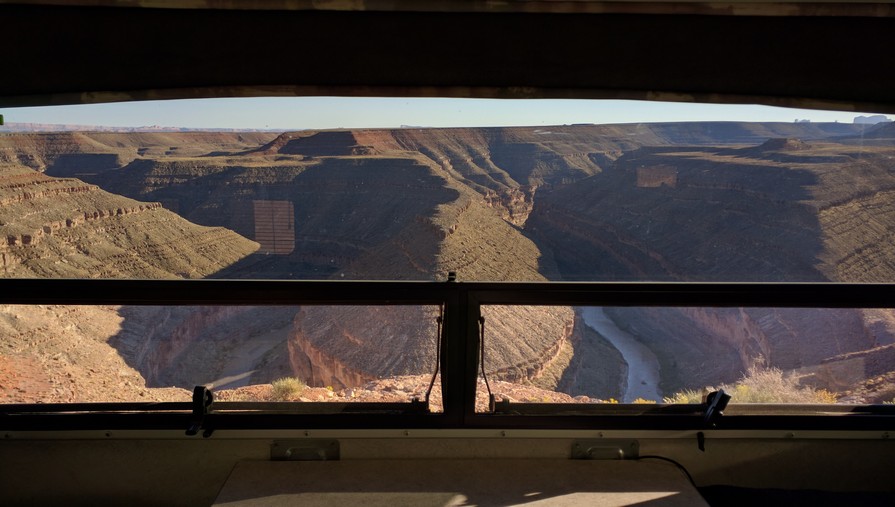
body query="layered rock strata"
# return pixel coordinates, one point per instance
(699, 201)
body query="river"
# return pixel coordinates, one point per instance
(643, 367)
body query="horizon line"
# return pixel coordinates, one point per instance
(40, 127)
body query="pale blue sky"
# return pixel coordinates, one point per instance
(287, 113)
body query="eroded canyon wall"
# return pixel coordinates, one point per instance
(758, 202)
(783, 210)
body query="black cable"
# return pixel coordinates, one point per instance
(673, 462)
(439, 320)
(482, 345)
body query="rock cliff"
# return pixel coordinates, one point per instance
(783, 210)
(711, 201)
(62, 227)
(697, 347)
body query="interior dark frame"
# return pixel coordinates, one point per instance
(799, 54)
(802, 54)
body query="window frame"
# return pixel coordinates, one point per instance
(459, 355)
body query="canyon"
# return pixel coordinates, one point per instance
(701, 201)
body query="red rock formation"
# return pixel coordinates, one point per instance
(514, 204)
(317, 368)
(656, 176)
(163, 345)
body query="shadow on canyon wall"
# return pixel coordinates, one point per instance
(654, 217)
(223, 346)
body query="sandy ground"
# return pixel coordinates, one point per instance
(403, 389)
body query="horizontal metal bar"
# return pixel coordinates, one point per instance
(218, 292)
(409, 421)
(286, 292)
(651, 409)
(785, 422)
(318, 407)
(218, 407)
(686, 294)
(57, 408)
(226, 421)
(599, 409)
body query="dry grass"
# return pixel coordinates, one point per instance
(687, 396)
(761, 385)
(286, 389)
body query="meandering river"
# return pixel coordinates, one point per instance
(643, 367)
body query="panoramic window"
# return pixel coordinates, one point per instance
(549, 354)
(414, 189)
(638, 192)
(104, 353)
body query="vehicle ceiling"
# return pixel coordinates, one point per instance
(807, 54)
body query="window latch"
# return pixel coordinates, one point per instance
(202, 401)
(715, 403)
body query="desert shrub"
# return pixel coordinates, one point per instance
(643, 401)
(684, 397)
(824, 396)
(286, 389)
(762, 385)
(770, 385)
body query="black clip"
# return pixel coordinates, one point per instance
(418, 406)
(715, 403)
(202, 401)
(498, 406)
